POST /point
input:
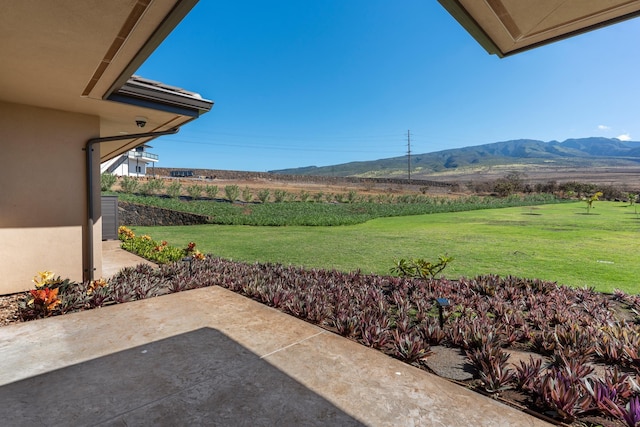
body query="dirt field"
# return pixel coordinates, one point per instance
(257, 182)
(626, 178)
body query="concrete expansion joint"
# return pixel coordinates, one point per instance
(293, 344)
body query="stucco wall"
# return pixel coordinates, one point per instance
(43, 207)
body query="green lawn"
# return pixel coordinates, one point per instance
(559, 242)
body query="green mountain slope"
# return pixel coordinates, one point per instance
(582, 152)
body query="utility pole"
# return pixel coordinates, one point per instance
(409, 154)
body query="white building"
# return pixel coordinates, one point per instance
(132, 163)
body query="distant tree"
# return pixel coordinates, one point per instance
(247, 195)
(610, 192)
(263, 195)
(232, 192)
(304, 196)
(107, 180)
(173, 190)
(279, 196)
(589, 200)
(129, 184)
(194, 191)
(211, 190)
(145, 188)
(155, 185)
(509, 184)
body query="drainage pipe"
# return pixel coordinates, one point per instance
(88, 272)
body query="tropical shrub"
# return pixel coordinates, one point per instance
(107, 181)
(247, 195)
(211, 191)
(159, 252)
(263, 195)
(129, 185)
(304, 196)
(145, 189)
(155, 185)
(232, 192)
(590, 199)
(173, 189)
(279, 196)
(152, 186)
(43, 301)
(420, 268)
(194, 191)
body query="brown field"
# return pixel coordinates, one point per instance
(295, 185)
(626, 178)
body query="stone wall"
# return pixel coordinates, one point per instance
(131, 214)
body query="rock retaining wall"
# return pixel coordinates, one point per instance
(132, 214)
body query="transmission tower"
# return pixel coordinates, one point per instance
(409, 154)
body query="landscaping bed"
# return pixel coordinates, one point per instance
(566, 354)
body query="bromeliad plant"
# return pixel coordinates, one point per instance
(491, 362)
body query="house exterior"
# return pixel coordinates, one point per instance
(69, 102)
(132, 163)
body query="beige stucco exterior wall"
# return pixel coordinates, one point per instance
(43, 194)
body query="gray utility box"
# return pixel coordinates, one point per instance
(109, 217)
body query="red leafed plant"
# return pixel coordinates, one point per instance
(44, 300)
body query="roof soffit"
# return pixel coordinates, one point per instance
(505, 27)
(51, 50)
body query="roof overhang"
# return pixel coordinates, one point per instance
(151, 94)
(79, 56)
(507, 27)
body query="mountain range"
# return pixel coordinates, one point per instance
(572, 153)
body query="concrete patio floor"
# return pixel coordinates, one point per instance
(212, 357)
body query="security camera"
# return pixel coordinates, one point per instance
(141, 122)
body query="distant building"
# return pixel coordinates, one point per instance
(181, 174)
(132, 163)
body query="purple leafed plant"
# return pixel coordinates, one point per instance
(528, 374)
(408, 346)
(629, 413)
(491, 362)
(564, 394)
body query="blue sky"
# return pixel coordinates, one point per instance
(301, 83)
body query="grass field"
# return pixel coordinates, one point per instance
(559, 242)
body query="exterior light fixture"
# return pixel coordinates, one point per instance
(442, 302)
(189, 259)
